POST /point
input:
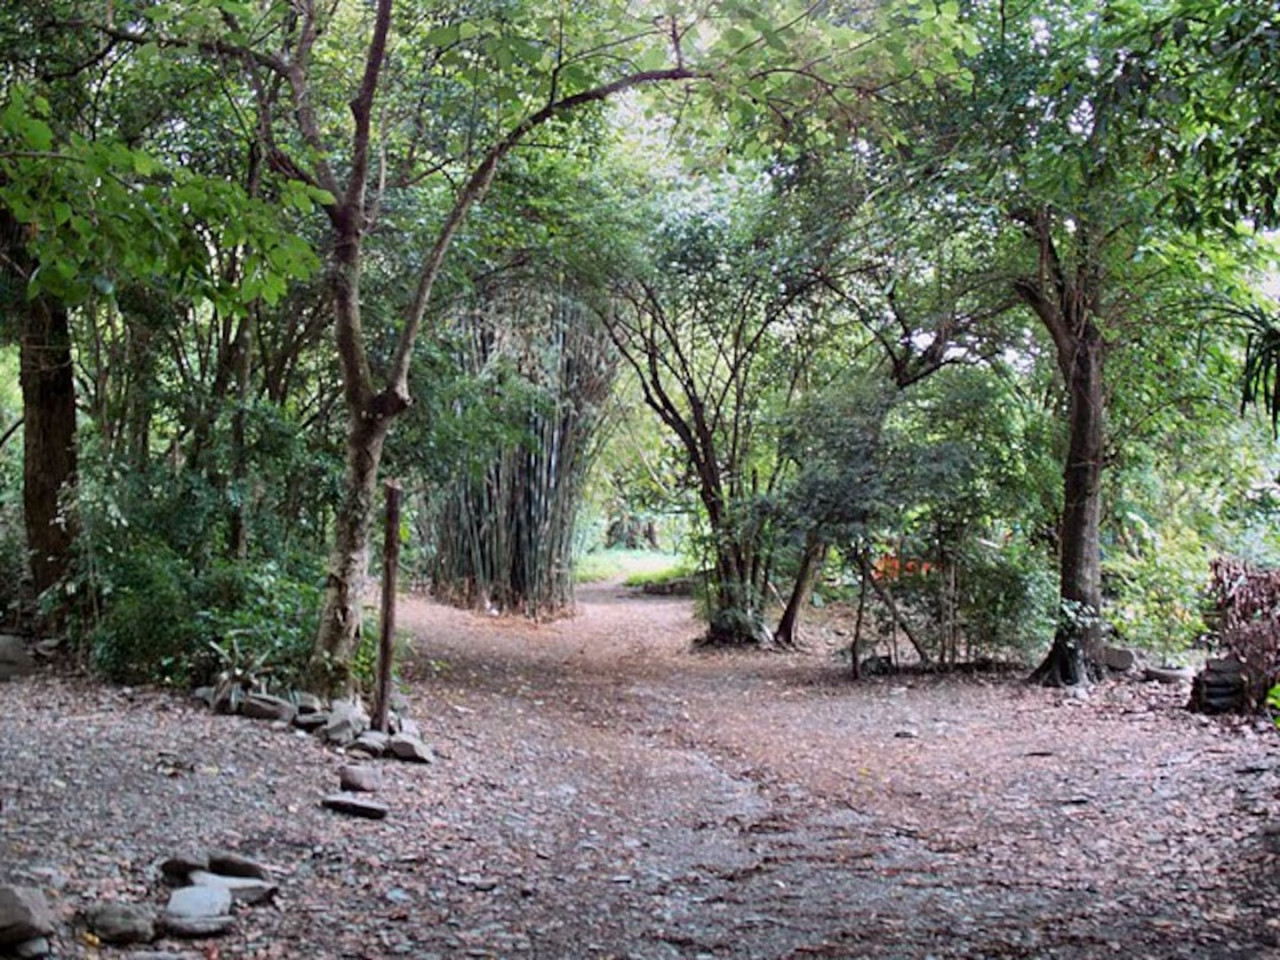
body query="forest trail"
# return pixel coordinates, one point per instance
(606, 791)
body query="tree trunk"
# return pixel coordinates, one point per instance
(1079, 628)
(340, 618)
(369, 419)
(1066, 296)
(815, 551)
(49, 440)
(735, 618)
(238, 535)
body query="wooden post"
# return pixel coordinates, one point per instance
(390, 570)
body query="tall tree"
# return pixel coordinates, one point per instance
(1055, 148)
(706, 331)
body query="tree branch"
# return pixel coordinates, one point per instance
(478, 185)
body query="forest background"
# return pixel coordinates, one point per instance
(940, 309)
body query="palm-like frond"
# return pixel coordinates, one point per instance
(1261, 383)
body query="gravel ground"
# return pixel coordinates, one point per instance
(605, 791)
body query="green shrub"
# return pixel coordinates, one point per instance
(163, 623)
(148, 630)
(259, 617)
(1008, 599)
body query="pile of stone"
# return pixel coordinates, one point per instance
(343, 723)
(1223, 686)
(207, 889)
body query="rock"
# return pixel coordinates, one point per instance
(247, 890)
(263, 706)
(194, 903)
(404, 746)
(372, 742)
(1221, 687)
(355, 805)
(479, 882)
(310, 721)
(193, 927)
(409, 727)
(906, 735)
(347, 720)
(24, 915)
(14, 659)
(33, 949)
(122, 923)
(1119, 659)
(231, 864)
(1169, 674)
(357, 778)
(307, 703)
(205, 695)
(176, 869)
(157, 955)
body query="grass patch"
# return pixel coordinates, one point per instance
(628, 565)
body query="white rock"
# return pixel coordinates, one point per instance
(198, 902)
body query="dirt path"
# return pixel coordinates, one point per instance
(606, 792)
(763, 806)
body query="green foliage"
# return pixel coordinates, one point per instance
(13, 541)
(161, 620)
(156, 599)
(1007, 598)
(1154, 588)
(148, 630)
(264, 616)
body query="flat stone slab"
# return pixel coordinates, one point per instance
(194, 927)
(122, 923)
(177, 867)
(404, 746)
(231, 864)
(308, 703)
(354, 805)
(196, 902)
(248, 890)
(24, 915)
(347, 720)
(357, 778)
(310, 721)
(375, 741)
(262, 706)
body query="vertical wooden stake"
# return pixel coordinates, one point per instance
(390, 570)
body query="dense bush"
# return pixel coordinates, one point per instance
(1007, 600)
(162, 622)
(155, 597)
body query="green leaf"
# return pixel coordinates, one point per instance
(444, 36)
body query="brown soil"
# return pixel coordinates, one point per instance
(606, 791)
